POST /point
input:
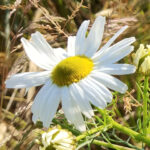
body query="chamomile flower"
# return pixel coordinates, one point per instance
(141, 59)
(78, 77)
(57, 139)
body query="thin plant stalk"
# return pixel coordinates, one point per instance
(7, 31)
(139, 109)
(145, 99)
(94, 130)
(135, 135)
(110, 145)
(113, 124)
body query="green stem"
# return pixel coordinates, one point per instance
(109, 145)
(145, 99)
(138, 89)
(139, 109)
(94, 130)
(135, 135)
(113, 124)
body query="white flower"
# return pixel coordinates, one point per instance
(141, 59)
(59, 139)
(76, 77)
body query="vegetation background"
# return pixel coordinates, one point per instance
(56, 20)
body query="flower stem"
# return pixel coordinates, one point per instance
(139, 109)
(145, 99)
(135, 135)
(94, 130)
(113, 124)
(109, 145)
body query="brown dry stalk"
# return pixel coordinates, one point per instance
(13, 7)
(48, 17)
(74, 13)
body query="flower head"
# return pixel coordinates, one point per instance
(142, 59)
(77, 77)
(57, 139)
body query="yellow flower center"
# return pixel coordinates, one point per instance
(71, 69)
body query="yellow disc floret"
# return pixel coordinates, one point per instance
(71, 69)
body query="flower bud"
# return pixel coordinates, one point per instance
(57, 139)
(141, 59)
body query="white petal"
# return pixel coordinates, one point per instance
(114, 50)
(41, 59)
(90, 96)
(95, 35)
(71, 45)
(46, 103)
(40, 44)
(38, 39)
(116, 56)
(62, 136)
(93, 94)
(71, 110)
(79, 96)
(103, 90)
(116, 69)
(39, 51)
(106, 96)
(60, 54)
(111, 40)
(43, 98)
(53, 100)
(27, 79)
(109, 81)
(80, 38)
(39, 102)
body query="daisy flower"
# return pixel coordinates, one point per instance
(78, 77)
(57, 139)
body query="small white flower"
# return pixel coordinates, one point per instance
(138, 55)
(76, 77)
(141, 59)
(57, 139)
